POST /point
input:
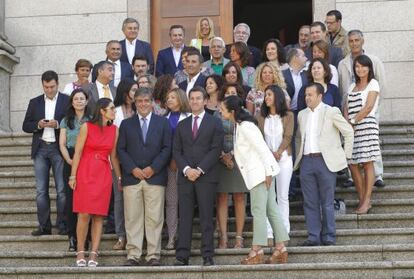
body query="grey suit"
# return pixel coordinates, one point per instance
(93, 95)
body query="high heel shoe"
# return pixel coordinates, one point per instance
(93, 263)
(72, 244)
(254, 257)
(80, 262)
(239, 242)
(363, 211)
(278, 256)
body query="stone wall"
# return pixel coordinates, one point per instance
(54, 34)
(388, 29)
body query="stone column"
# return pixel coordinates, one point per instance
(7, 62)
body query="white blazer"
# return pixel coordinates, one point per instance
(254, 158)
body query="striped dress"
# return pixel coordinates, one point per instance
(366, 138)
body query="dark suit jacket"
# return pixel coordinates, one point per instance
(335, 55)
(93, 95)
(203, 151)
(331, 97)
(255, 55)
(200, 81)
(290, 86)
(141, 49)
(36, 111)
(155, 152)
(166, 63)
(126, 71)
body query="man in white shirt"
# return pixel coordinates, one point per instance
(194, 63)
(43, 116)
(320, 156)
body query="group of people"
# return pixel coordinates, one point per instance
(200, 124)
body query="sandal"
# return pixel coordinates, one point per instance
(93, 263)
(278, 256)
(254, 257)
(81, 262)
(223, 244)
(239, 242)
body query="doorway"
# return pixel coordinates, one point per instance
(272, 19)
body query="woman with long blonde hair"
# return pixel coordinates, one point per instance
(204, 33)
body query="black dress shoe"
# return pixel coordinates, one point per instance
(208, 261)
(307, 242)
(40, 231)
(349, 183)
(131, 262)
(180, 262)
(72, 244)
(379, 183)
(153, 262)
(328, 243)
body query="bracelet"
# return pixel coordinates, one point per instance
(72, 177)
(119, 178)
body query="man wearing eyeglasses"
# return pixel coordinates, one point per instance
(336, 35)
(217, 61)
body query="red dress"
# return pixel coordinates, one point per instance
(94, 177)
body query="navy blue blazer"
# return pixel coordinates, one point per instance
(203, 151)
(155, 152)
(200, 81)
(166, 63)
(141, 49)
(126, 71)
(36, 111)
(290, 86)
(335, 55)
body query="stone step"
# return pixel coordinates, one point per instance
(321, 254)
(395, 143)
(24, 221)
(399, 166)
(14, 165)
(344, 237)
(377, 269)
(388, 192)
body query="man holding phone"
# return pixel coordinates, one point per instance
(42, 119)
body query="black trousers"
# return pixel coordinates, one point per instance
(71, 217)
(205, 194)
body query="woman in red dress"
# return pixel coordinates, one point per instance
(91, 176)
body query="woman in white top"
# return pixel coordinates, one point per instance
(83, 69)
(124, 100)
(257, 166)
(320, 49)
(276, 123)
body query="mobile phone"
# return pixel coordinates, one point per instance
(46, 120)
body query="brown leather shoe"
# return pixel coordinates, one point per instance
(254, 257)
(120, 244)
(154, 262)
(278, 256)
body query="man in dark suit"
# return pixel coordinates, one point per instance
(198, 142)
(43, 116)
(144, 149)
(303, 39)
(169, 59)
(131, 46)
(122, 70)
(318, 32)
(241, 33)
(101, 87)
(194, 64)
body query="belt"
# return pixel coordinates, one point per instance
(319, 154)
(48, 142)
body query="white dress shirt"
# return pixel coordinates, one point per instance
(200, 118)
(117, 71)
(100, 87)
(50, 106)
(148, 119)
(311, 132)
(191, 82)
(273, 133)
(130, 49)
(177, 54)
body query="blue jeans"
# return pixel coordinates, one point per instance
(48, 156)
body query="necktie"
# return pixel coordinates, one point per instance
(144, 128)
(107, 94)
(195, 127)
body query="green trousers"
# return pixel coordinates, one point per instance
(263, 205)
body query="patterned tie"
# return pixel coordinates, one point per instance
(107, 94)
(144, 128)
(195, 127)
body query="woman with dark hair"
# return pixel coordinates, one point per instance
(213, 86)
(240, 54)
(178, 109)
(274, 52)
(320, 49)
(232, 74)
(231, 89)
(124, 100)
(83, 69)
(91, 176)
(164, 84)
(69, 130)
(362, 104)
(319, 72)
(257, 166)
(276, 124)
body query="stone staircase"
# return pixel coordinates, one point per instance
(377, 245)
